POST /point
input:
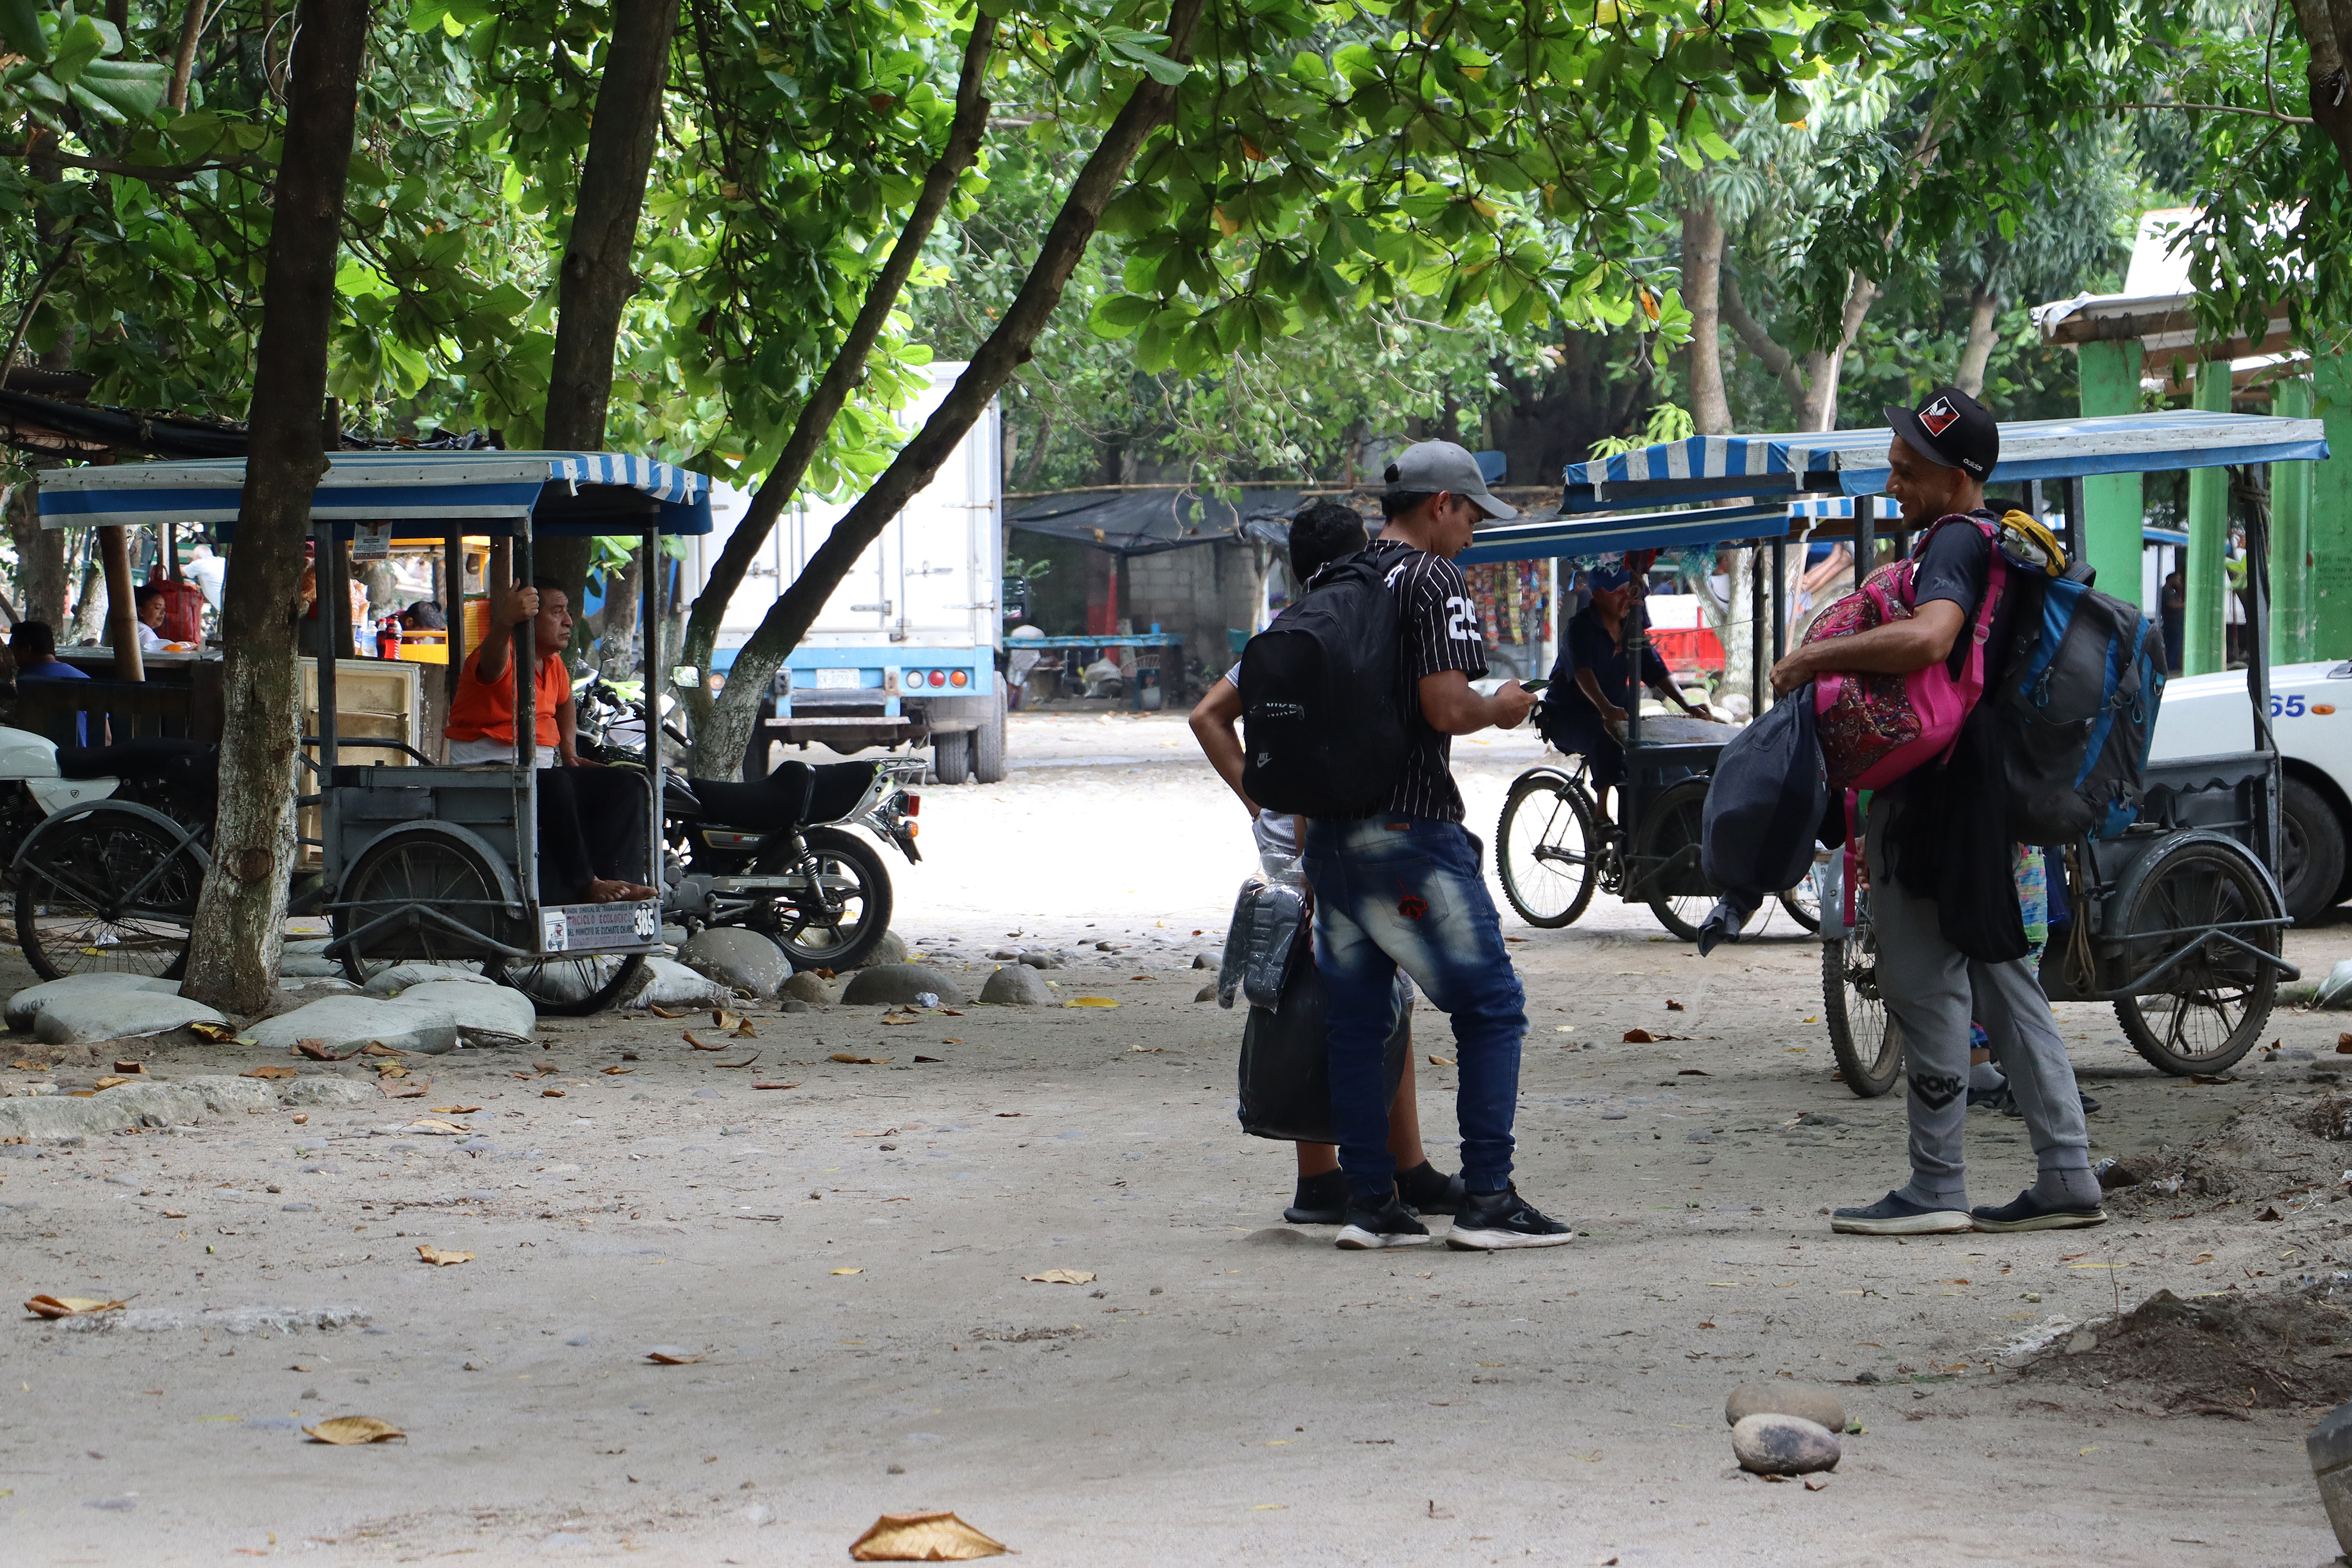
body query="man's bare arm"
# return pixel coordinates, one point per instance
(1896, 648)
(1452, 707)
(1215, 722)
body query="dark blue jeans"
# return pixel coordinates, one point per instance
(1407, 893)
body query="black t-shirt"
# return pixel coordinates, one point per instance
(1439, 626)
(1953, 568)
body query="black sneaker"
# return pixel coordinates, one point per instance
(1492, 1222)
(1319, 1200)
(1997, 1097)
(2029, 1213)
(1896, 1216)
(1391, 1225)
(1427, 1190)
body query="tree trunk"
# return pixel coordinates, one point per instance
(841, 377)
(597, 279)
(718, 746)
(616, 623)
(1984, 317)
(89, 603)
(1703, 296)
(183, 60)
(1759, 342)
(2327, 30)
(241, 910)
(40, 557)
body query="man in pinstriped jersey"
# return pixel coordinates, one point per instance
(1402, 887)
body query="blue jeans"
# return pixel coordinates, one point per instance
(1407, 893)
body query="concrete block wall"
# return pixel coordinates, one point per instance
(1197, 592)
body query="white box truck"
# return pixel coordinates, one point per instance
(905, 651)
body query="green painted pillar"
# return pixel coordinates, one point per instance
(2291, 586)
(2331, 513)
(2107, 374)
(2209, 537)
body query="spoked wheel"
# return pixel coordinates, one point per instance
(1547, 850)
(1663, 866)
(2206, 1010)
(1867, 1040)
(417, 896)
(570, 987)
(108, 891)
(838, 905)
(1803, 903)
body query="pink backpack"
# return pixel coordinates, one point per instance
(1875, 729)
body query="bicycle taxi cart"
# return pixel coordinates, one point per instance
(417, 860)
(2177, 919)
(1551, 850)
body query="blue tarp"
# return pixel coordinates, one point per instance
(481, 491)
(1589, 536)
(1853, 462)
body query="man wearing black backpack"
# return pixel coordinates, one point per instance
(1400, 886)
(1940, 456)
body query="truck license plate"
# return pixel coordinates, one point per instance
(837, 680)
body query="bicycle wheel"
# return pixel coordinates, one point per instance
(1664, 867)
(1804, 905)
(1547, 849)
(108, 891)
(839, 906)
(570, 987)
(405, 895)
(1865, 1036)
(2210, 1007)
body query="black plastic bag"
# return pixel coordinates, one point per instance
(1285, 1067)
(1765, 802)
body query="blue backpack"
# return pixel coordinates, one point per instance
(2077, 699)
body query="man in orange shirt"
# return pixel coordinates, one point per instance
(591, 821)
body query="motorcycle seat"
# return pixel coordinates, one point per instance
(794, 794)
(147, 759)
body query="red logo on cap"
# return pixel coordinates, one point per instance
(1939, 416)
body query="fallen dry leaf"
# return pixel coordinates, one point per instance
(794, 1084)
(747, 1061)
(1640, 1038)
(447, 1129)
(1089, 1002)
(31, 1066)
(390, 1069)
(1672, 1006)
(1441, 1061)
(610, 1071)
(130, 1068)
(1817, 1483)
(698, 1044)
(272, 1071)
(949, 1040)
(922, 1538)
(318, 1052)
(861, 1061)
(848, 1271)
(724, 1019)
(176, 1214)
(441, 1259)
(1692, 1072)
(1061, 1276)
(746, 1032)
(344, 1431)
(888, 1023)
(414, 1092)
(660, 1012)
(378, 1049)
(1156, 1051)
(950, 1012)
(214, 1032)
(927, 1059)
(1012, 1113)
(671, 1358)
(452, 1109)
(2343, 1046)
(70, 1306)
(113, 1080)
(550, 1094)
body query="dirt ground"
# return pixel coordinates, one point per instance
(847, 1258)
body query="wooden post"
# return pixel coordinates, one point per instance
(121, 606)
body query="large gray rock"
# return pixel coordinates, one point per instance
(809, 986)
(429, 1018)
(26, 1004)
(170, 1104)
(306, 966)
(891, 949)
(734, 957)
(393, 979)
(1784, 1446)
(117, 1016)
(901, 983)
(1807, 1401)
(673, 984)
(1017, 985)
(484, 1014)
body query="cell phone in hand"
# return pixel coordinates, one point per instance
(1533, 685)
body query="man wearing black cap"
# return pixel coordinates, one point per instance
(1942, 453)
(1402, 887)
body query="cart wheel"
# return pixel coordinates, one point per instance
(106, 893)
(2208, 1010)
(840, 907)
(1547, 850)
(951, 756)
(570, 987)
(1803, 904)
(402, 876)
(1679, 897)
(988, 747)
(1867, 1041)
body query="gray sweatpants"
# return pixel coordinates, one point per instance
(1932, 990)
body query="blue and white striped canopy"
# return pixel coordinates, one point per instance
(482, 491)
(1853, 462)
(1697, 529)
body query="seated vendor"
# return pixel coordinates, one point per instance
(591, 819)
(1590, 683)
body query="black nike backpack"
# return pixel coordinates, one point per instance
(1323, 710)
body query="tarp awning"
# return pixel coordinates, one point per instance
(1146, 521)
(1853, 462)
(481, 491)
(1698, 529)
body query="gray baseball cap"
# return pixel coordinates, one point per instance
(1426, 467)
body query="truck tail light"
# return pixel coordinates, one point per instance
(939, 678)
(958, 678)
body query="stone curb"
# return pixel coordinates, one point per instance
(169, 1104)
